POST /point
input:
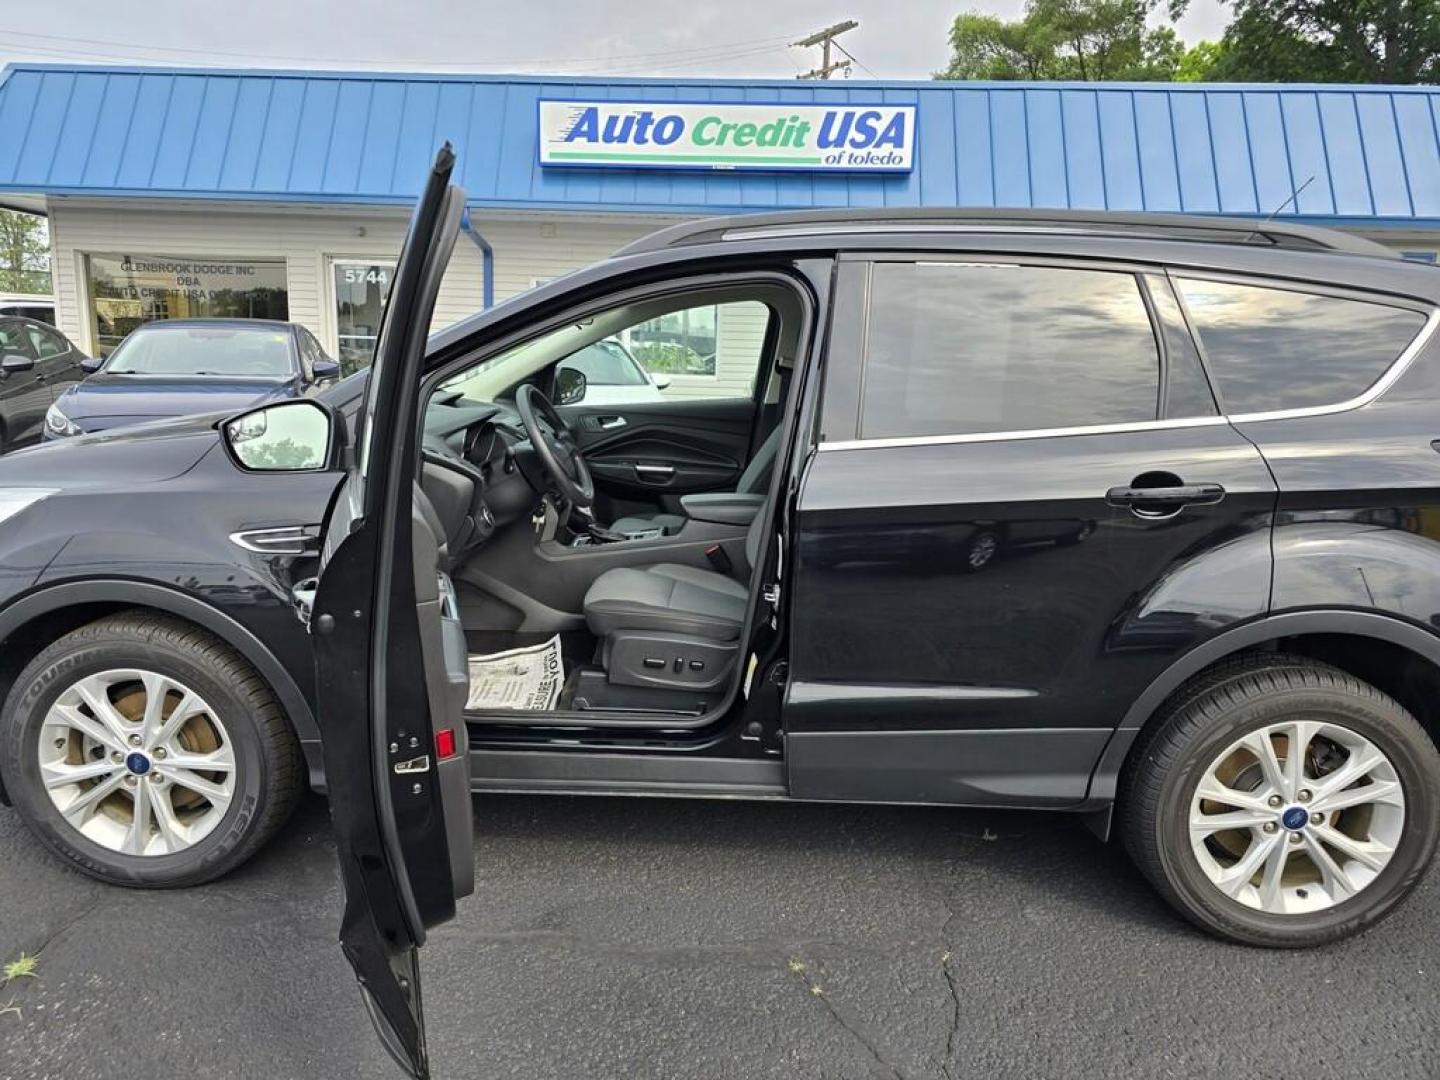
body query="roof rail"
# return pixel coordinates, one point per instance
(1202, 229)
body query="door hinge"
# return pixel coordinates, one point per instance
(302, 596)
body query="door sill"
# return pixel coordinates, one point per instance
(591, 773)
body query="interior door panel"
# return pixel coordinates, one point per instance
(653, 452)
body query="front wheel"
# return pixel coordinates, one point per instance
(148, 753)
(1284, 803)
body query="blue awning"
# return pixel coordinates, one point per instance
(1364, 155)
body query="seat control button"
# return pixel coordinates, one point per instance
(697, 665)
(654, 662)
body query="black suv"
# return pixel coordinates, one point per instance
(1129, 516)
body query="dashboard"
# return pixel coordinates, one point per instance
(469, 472)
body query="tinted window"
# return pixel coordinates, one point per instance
(262, 352)
(1280, 349)
(956, 349)
(39, 314)
(1187, 391)
(46, 342)
(13, 339)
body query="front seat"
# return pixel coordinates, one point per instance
(755, 480)
(670, 625)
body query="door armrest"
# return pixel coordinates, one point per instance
(722, 508)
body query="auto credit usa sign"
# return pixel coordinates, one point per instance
(716, 135)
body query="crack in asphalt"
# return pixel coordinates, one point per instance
(947, 1066)
(855, 1029)
(69, 924)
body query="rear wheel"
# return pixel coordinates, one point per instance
(148, 753)
(1282, 802)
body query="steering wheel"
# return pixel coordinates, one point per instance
(554, 445)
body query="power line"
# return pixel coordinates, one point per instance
(825, 38)
(115, 52)
(863, 66)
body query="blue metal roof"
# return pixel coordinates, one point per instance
(1373, 152)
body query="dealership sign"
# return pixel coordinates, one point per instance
(716, 135)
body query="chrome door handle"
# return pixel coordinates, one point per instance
(654, 472)
(609, 423)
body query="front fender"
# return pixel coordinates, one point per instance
(56, 597)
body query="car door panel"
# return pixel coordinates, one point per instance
(654, 452)
(24, 395)
(59, 360)
(977, 672)
(390, 666)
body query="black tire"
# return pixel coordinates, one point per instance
(1206, 716)
(269, 774)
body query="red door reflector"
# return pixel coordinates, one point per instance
(445, 743)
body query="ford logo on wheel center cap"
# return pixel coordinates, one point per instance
(139, 764)
(1295, 818)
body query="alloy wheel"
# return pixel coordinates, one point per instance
(1296, 817)
(137, 762)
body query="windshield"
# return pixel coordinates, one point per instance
(606, 363)
(250, 352)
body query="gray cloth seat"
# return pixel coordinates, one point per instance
(671, 598)
(755, 480)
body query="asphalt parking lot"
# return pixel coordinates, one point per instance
(657, 938)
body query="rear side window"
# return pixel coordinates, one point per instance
(959, 348)
(1271, 349)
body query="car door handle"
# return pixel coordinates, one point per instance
(609, 423)
(654, 473)
(1164, 499)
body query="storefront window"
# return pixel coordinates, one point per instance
(127, 290)
(360, 292)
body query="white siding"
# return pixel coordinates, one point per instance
(527, 248)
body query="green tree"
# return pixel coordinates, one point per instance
(1068, 39)
(24, 253)
(1199, 62)
(1373, 41)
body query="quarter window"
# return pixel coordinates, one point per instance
(957, 349)
(1272, 349)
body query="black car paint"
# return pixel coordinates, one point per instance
(25, 395)
(1021, 684)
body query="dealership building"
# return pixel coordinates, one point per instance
(180, 192)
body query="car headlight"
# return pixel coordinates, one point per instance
(14, 500)
(57, 423)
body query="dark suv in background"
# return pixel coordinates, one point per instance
(1204, 452)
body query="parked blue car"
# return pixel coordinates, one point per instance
(180, 366)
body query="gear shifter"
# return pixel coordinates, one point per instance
(603, 535)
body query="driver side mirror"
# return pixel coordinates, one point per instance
(325, 369)
(288, 436)
(14, 363)
(570, 384)
(91, 364)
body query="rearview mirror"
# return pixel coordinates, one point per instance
(14, 363)
(570, 384)
(288, 436)
(325, 369)
(91, 364)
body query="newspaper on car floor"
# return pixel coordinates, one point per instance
(526, 678)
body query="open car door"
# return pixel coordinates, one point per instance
(391, 664)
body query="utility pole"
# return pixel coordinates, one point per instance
(823, 38)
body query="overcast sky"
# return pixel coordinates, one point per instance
(897, 39)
